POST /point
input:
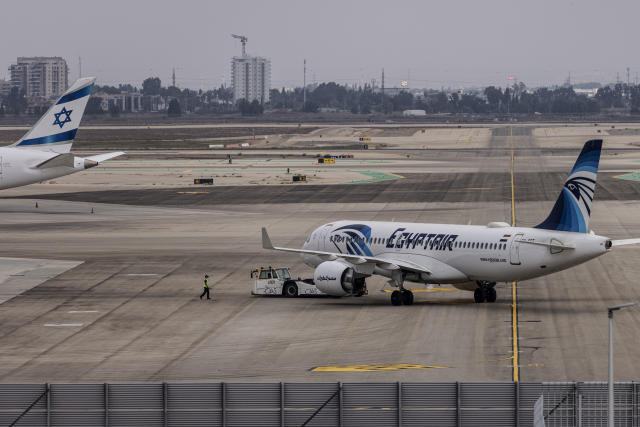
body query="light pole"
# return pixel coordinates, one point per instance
(611, 402)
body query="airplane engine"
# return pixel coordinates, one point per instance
(334, 278)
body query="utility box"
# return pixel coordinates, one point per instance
(207, 181)
(299, 178)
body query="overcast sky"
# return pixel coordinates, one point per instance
(431, 43)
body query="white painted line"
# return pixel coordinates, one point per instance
(82, 311)
(62, 325)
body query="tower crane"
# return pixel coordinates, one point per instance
(243, 40)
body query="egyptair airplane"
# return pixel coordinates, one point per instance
(43, 152)
(469, 257)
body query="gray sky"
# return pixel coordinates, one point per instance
(431, 43)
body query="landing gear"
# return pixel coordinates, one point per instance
(407, 297)
(396, 298)
(401, 297)
(485, 292)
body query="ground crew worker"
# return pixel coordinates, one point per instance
(205, 291)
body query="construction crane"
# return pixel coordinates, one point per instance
(243, 40)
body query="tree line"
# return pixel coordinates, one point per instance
(517, 99)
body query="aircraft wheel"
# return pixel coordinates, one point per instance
(478, 295)
(396, 298)
(492, 295)
(290, 290)
(407, 297)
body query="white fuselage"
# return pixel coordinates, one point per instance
(459, 254)
(19, 166)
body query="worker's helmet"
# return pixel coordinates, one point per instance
(206, 276)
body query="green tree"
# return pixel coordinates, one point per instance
(151, 86)
(174, 109)
(94, 105)
(16, 101)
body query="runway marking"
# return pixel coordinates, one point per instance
(634, 176)
(375, 177)
(375, 368)
(63, 325)
(514, 293)
(82, 311)
(193, 192)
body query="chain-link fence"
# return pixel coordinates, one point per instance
(313, 404)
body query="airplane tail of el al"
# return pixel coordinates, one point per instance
(573, 207)
(57, 128)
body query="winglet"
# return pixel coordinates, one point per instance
(266, 241)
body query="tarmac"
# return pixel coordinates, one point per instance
(129, 311)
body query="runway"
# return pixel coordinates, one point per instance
(130, 311)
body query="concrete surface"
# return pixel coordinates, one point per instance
(131, 310)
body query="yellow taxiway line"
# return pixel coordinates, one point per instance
(514, 294)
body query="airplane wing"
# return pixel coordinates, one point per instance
(102, 157)
(387, 264)
(625, 242)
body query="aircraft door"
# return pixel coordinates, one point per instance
(514, 251)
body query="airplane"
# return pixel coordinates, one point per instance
(43, 152)
(469, 257)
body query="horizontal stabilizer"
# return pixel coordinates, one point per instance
(552, 245)
(102, 157)
(65, 159)
(625, 242)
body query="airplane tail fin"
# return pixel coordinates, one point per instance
(573, 207)
(57, 128)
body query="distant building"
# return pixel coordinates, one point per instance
(40, 77)
(251, 78)
(125, 102)
(414, 113)
(5, 87)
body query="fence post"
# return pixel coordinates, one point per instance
(517, 383)
(164, 404)
(281, 404)
(634, 402)
(399, 404)
(458, 415)
(340, 401)
(48, 396)
(224, 404)
(106, 405)
(579, 409)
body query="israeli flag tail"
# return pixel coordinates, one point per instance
(573, 207)
(56, 130)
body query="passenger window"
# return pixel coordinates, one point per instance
(263, 274)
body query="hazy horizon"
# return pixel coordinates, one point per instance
(431, 44)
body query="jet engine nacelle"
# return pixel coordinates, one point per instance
(334, 278)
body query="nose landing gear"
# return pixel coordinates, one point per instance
(485, 292)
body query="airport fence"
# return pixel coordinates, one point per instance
(314, 404)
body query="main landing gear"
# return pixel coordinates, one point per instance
(485, 292)
(403, 296)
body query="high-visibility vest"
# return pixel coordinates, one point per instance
(206, 283)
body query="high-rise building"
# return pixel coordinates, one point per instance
(251, 78)
(40, 77)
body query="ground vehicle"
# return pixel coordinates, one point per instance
(278, 281)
